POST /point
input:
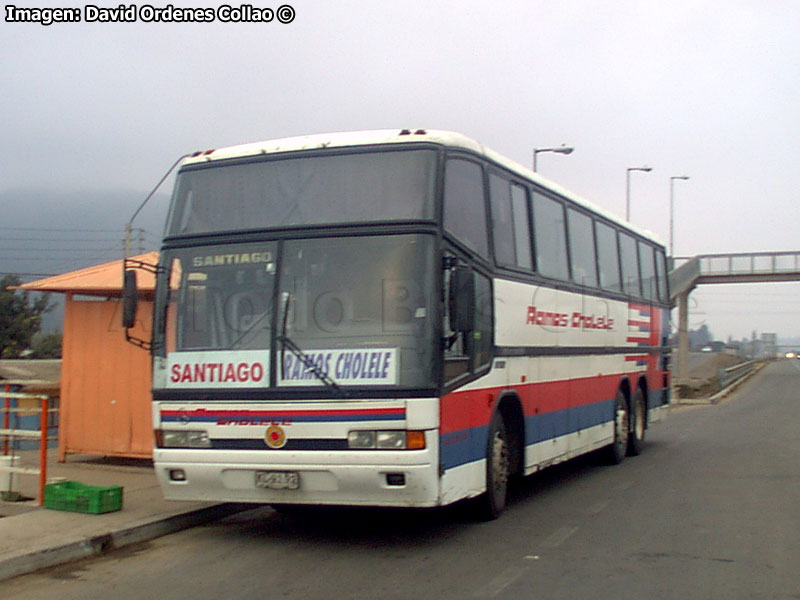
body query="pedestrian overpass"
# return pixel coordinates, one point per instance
(744, 267)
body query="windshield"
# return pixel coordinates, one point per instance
(360, 308)
(259, 194)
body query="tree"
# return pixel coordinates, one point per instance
(20, 317)
(46, 345)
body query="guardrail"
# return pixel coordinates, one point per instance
(734, 373)
(8, 435)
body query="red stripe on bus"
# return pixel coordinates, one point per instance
(634, 323)
(473, 408)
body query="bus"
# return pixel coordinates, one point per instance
(394, 318)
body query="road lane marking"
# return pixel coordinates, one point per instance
(558, 537)
(501, 582)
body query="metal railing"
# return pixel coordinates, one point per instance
(745, 263)
(9, 435)
(734, 373)
(686, 272)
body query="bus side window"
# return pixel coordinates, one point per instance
(551, 243)
(469, 351)
(630, 265)
(456, 354)
(510, 226)
(608, 257)
(661, 276)
(522, 229)
(482, 336)
(502, 220)
(648, 267)
(581, 246)
(464, 205)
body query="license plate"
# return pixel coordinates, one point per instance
(278, 480)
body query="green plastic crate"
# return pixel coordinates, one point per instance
(77, 497)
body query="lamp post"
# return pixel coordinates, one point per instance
(672, 210)
(645, 169)
(562, 149)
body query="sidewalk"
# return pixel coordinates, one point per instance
(33, 537)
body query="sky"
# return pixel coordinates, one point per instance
(707, 89)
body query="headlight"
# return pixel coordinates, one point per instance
(386, 440)
(182, 438)
(361, 439)
(395, 440)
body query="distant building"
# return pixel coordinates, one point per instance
(769, 345)
(717, 346)
(733, 348)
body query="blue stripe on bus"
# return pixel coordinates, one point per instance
(658, 398)
(469, 445)
(465, 446)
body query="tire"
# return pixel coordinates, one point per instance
(498, 471)
(619, 447)
(638, 424)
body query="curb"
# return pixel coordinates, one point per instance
(101, 544)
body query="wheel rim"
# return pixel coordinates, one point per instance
(621, 434)
(639, 420)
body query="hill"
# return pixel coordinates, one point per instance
(46, 233)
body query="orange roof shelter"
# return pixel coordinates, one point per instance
(105, 381)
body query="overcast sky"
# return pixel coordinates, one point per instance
(706, 89)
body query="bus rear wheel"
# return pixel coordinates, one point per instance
(498, 471)
(638, 424)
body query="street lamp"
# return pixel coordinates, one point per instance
(671, 209)
(562, 149)
(628, 188)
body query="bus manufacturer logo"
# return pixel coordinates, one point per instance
(275, 437)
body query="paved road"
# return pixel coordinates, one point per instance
(710, 510)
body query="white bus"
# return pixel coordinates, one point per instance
(394, 318)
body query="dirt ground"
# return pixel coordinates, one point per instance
(707, 365)
(703, 371)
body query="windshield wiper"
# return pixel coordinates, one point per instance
(248, 329)
(304, 358)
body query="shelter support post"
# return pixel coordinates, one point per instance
(6, 418)
(45, 402)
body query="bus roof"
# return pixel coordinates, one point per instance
(401, 136)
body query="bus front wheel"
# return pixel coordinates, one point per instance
(498, 471)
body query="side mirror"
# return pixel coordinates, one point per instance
(130, 298)
(462, 299)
